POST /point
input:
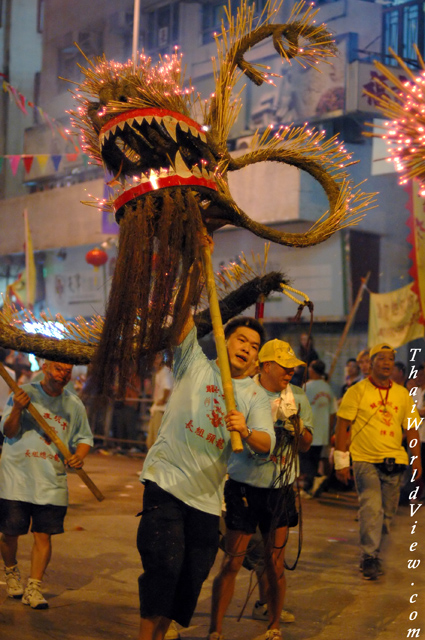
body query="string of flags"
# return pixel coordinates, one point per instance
(22, 103)
(42, 160)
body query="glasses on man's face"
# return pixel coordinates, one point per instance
(289, 371)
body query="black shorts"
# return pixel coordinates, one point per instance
(177, 545)
(248, 507)
(16, 516)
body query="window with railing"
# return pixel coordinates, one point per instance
(213, 13)
(69, 56)
(163, 29)
(403, 27)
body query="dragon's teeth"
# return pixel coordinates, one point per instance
(113, 129)
(181, 167)
(205, 172)
(184, 126)
(170, 124)
(194, 131)
(148, 119)
(139, 120)
(196, 171)
(202, 136)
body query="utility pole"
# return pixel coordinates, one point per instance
(4, 110)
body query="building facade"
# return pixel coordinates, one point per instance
(332, 100)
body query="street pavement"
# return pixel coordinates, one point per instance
(91, 583)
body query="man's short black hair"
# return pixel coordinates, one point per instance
(242, 321)
(3, 354)
(400, 366)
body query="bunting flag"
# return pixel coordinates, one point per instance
(56, 159)
(416, 223)
(394, 317)
(22, 102)
(42, 160)
(14, 163)
(27, 160)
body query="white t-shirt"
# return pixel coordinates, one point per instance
(163, 381)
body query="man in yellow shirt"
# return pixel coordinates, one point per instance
(371, 419)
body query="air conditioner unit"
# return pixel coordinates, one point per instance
(243, 143)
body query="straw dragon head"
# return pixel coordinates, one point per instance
(167, 151)
(151, 131)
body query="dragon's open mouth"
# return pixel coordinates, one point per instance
(150, 149)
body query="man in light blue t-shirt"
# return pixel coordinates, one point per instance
(33, 486)
(259, 493)
(185, 469)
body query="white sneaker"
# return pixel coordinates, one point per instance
(33, 596)
(305, 495)
(273, 634)
(260, 612)
(14, 586)
(317, 484)
(173, 632)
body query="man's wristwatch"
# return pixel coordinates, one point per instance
(249, 434)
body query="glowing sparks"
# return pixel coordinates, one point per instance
(403, 104)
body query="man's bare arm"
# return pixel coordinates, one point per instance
(13, 422)
(305, 440)
(195, 272)
(259, 441)
(342, 440)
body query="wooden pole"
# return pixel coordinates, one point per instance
(51, 434)
(220, 342)
(348, 324)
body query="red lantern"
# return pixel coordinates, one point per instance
(97, 257)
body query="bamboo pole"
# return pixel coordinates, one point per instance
(348, 324)
(220, 342)
(51, 434)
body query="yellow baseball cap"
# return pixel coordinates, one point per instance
(280, 352)
(381, 347)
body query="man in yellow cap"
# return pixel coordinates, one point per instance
(259, 491)
(373, 414)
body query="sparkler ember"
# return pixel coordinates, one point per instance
(404, 105)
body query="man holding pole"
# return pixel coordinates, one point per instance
(185, 469)
(259, 493)
(33, 484)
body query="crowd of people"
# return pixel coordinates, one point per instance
(296, 441)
